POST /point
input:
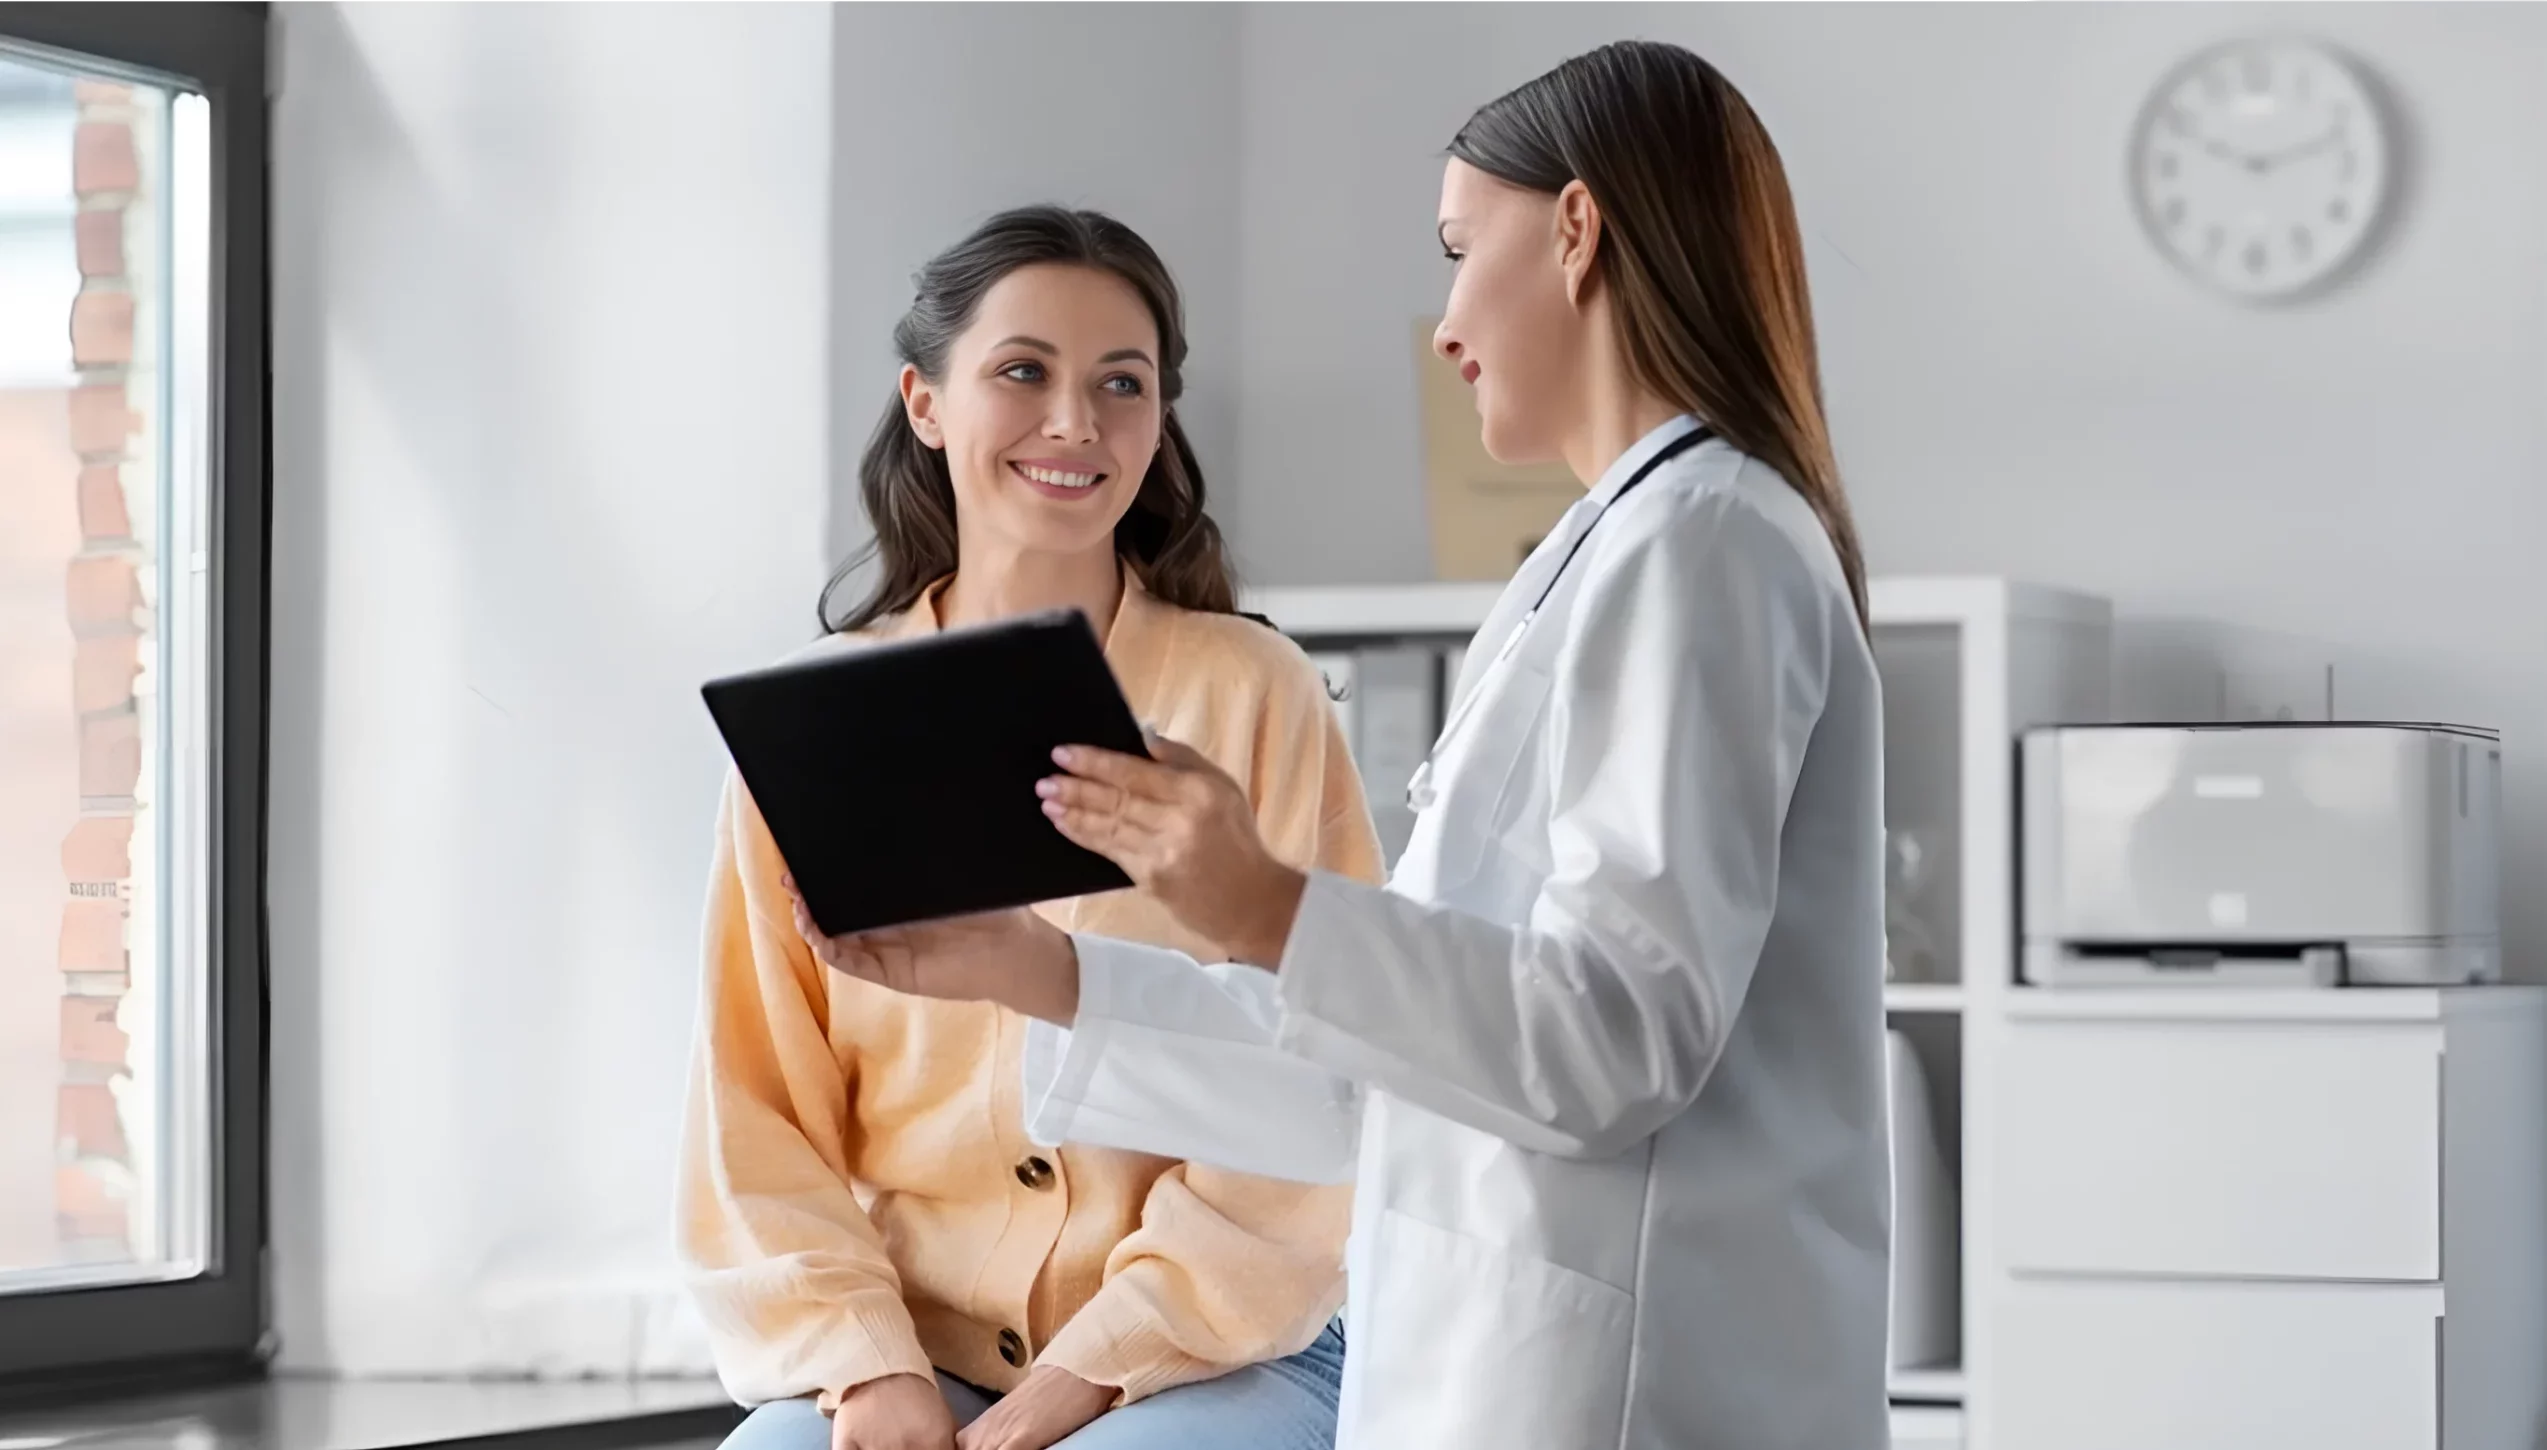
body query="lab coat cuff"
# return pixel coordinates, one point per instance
(1324, 965)
(1049, 1051)
(1060, 1064)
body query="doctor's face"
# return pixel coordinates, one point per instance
(1049, 410)
(1509, 325)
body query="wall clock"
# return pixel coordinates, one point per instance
(2262, 166)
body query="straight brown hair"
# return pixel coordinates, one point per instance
(1699, 247)
(1166, 539)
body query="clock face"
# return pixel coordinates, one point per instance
(2260, 166)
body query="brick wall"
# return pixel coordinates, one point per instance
(104, 594)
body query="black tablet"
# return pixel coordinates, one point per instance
(898, 779)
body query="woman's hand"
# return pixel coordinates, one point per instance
(897, 1412)
(1014, 958)
(1183, 830)
(1049, 1407)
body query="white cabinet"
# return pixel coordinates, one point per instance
(2262, 1150)
(1927, 1427)
(2136, 1364)
(2228, 1220)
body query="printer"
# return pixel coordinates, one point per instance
(2316, 853)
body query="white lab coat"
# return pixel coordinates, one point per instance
(1606, 1057)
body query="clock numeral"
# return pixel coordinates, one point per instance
(2167, 165)
(2339, 210)
(2302, 243)
(2173, 212)
(2256, 258)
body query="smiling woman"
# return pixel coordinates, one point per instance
(872, 1235)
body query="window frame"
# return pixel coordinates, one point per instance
(213, 1326)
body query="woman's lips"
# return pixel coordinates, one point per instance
(1057, 478)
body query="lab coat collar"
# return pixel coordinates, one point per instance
(1616, 476)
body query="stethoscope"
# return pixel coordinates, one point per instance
(1420, 793)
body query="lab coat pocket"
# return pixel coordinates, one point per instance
(1481, 770)
(1469, 1346)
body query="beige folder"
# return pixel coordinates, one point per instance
(1487, 516)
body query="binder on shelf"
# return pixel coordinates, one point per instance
(1395, 728)
(1339, 667)
(1923, 1325)
(1454, 659)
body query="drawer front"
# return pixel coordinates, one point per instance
(2145, 1365)
(1927, 1427)
(2242, 1150)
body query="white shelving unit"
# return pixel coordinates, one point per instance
(1928, 1386)
(1923, 997)
(1967, 664)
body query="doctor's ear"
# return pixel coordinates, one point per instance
(1578, 238)
(919, 404)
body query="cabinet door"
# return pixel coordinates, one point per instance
(2261, 1150)
(1927, 1427)
(2152, 1365)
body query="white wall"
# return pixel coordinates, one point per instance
(945, 114)
(550, 391)
(2019, 384)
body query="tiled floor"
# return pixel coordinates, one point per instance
(312, 1414)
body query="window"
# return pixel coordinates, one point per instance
(132, 700)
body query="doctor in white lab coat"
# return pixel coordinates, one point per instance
(1605, 1058)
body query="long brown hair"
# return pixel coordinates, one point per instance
(1165, 538)
(1700, 248)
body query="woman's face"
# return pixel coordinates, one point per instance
(1510, 325)
(1049, 412)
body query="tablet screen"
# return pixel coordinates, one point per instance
(898, 778)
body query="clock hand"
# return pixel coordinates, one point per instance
(2272, 159)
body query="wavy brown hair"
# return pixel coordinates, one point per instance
(1165, 538)
(1699, 245)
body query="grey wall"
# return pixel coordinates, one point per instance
(2019, 384)
(944, 114)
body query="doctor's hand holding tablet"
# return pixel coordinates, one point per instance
(1604, 1060)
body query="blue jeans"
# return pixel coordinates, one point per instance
(1284, 1404)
